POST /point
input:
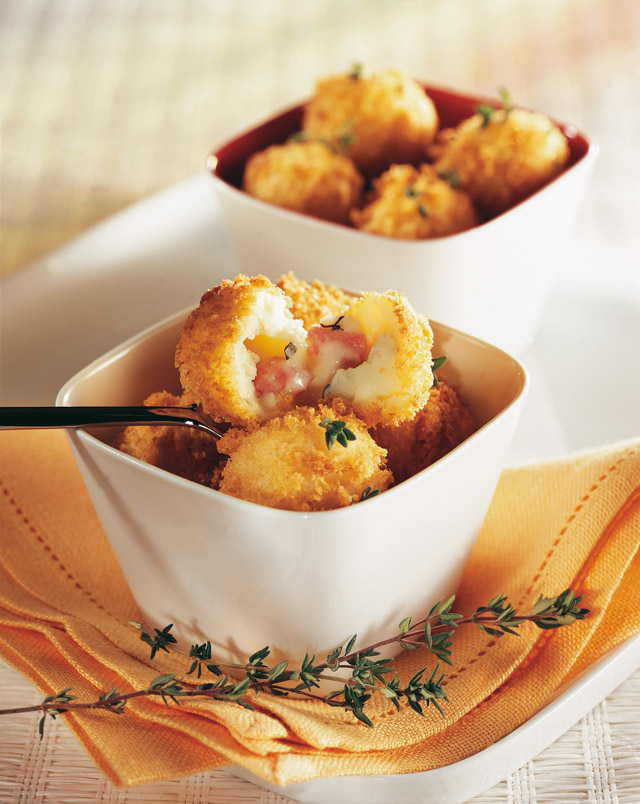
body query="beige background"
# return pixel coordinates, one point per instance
(106, 101)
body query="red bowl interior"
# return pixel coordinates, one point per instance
(452, 109)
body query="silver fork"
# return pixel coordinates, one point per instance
(29, 418)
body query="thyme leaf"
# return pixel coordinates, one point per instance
(368, 493)
(356, 71)
(411, 192)
(436, 363)
(336, 431)
(486, 112)
(335, 325)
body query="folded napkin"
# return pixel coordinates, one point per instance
(65, 609)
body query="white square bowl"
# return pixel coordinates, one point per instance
(491, 281)
(243, 575)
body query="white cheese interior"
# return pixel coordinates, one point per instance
(269, 316)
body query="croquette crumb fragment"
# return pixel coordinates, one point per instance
(313, 301)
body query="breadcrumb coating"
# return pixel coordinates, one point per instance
(313, 301)
(387, 118)
(503, 160)
(285, 463)
(216, 367)
(394, 383)
(415, 204)
(183, 451)
(305, 176)
(440, 426)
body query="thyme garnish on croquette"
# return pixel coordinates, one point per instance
(368, 673)
(487, 111)
(411, 192)
(506, 100)
(451, 177)
(423, 211)
(339, 144)
(368, 493)
(336, 431)
(356, 71)
(335, 325)
(436, 363)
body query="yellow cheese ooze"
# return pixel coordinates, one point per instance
(266, 346)
(374, 318)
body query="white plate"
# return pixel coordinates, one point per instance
(73, 305)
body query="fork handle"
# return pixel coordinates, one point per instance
(53, 417)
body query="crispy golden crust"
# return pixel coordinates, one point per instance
(312, 301)
(285, 463)
(389, 389)
(388, 115)
(216, 368)
(180, 450)
(505, 160)
(415, 204)
(305, 176)
(439, 427)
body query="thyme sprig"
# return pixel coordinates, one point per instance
(363, 672)
(336, 431)
(436, 363)
(486, 111)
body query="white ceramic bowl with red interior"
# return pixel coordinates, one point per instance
(244, 575)
(490, 281)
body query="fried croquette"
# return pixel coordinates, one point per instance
(383, 118)
(186, 452)
(392, 384)
(233, 353)
(440, 426)
(415, 204)
(502, 157)
(305, 176)
(313, 301)
(285, 463)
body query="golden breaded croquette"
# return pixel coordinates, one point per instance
(415, 204)
(392, 384)
(305, 176)
(285, 463)
(237, 335)
(313, 301)
(502, 157)
(183, 451)
(384, 118)
(440, 426)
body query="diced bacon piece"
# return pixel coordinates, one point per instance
(332, 349)
(277, 375)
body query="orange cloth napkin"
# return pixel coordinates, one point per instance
(65, 608)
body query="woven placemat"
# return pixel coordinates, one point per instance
(596, 761)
